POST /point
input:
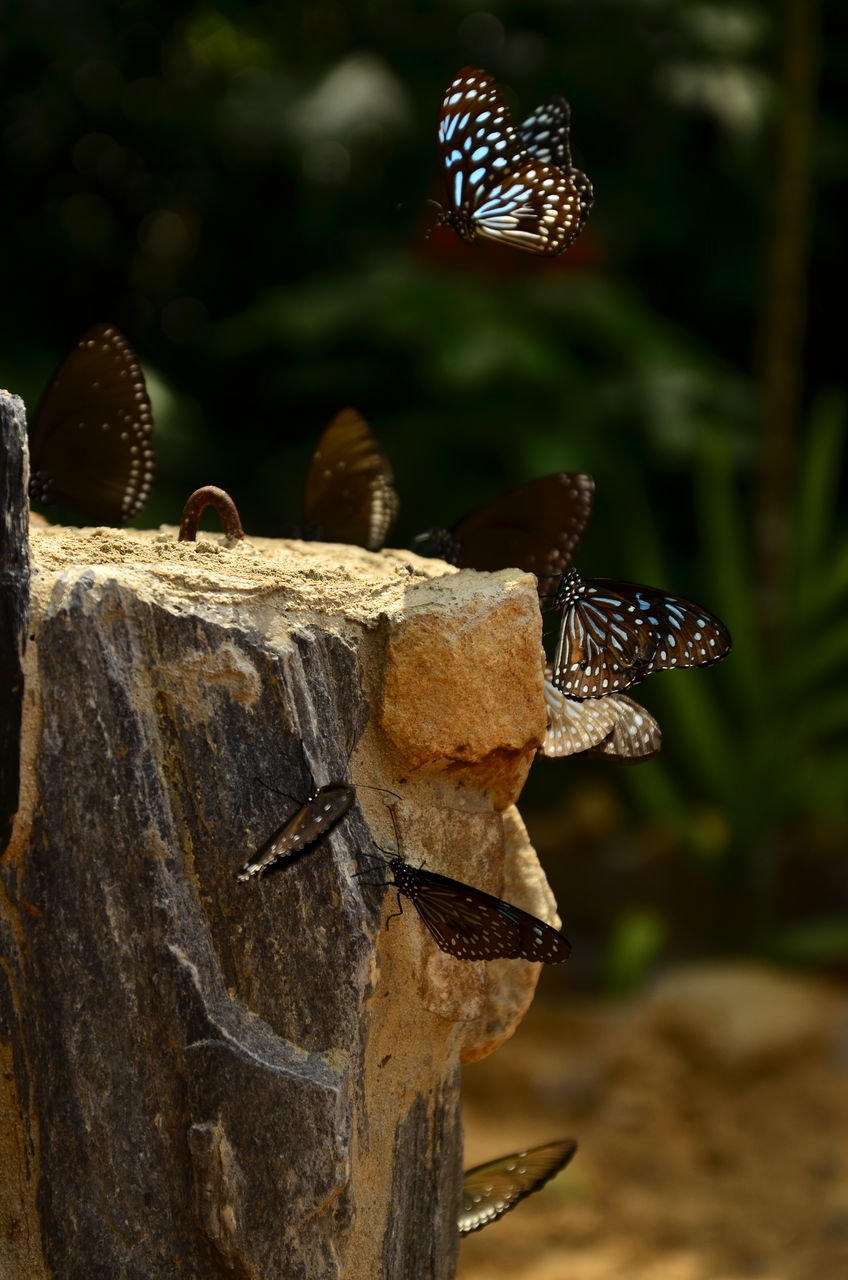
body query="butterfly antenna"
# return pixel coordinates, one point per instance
(268, 787)
(367, 787)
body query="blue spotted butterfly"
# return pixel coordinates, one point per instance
(614, 634)
(515, 186)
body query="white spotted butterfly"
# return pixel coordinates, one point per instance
(514, 186)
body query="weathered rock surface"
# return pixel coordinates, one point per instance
(253, 1080)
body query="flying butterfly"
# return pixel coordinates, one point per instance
(491, 1190)
(349, 494)
(515, 186)
(89, 438)
(613, 634)
(614, 726)
(535, 527)
(322, 809)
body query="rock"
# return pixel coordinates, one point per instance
(254, 1079)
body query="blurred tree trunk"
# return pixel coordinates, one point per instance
(210, 1078)
(781, 336)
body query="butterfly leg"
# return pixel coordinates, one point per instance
(399, 912)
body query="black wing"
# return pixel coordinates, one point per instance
(472, 925)
(535, 527)
(89, 438)
(312, 820)
(350, 494)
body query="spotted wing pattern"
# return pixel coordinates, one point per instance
(547, 136)
(635, 734)
(89, 438)
(312, 820)
(472, 925)
(491, 1190)
(614, 726)
(535, 527)
(497, 188)
(574, 727)
(350, 494)
(613, 634)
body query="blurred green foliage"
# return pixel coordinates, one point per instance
(242, 188)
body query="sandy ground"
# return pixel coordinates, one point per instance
(712, 1117)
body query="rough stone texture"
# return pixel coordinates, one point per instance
(14, 597)
(251, 1080)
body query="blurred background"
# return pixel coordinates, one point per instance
(242, 188)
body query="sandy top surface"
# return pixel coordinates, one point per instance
(307, 576)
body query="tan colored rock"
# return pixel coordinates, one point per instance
(463, 682)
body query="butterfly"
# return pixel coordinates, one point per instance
(614, 634)
(491, 1190)
(322, 809)
(614, 726)
(472, 925)
(535, 527)
(89, 438)
(349, 494)
(514, 186)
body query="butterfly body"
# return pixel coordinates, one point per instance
(90, 434)
(349, 494)
(613, 634)
(502, 182)
(472, 925)
(321, 811)
(490, 1190)
(535, 527)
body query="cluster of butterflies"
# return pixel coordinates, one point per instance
(90, 447)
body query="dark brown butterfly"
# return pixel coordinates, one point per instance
(514, 186)
(535, 527)
(614, 726)
(316, 816)
(349, 494)
(491, 1190)
(89, 438)
(613, 634)
(472, 925)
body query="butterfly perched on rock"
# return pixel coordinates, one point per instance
(322, 809)
(89, 438)
(613, 634)
(472, 925)
(349, 494)
(516, 186)
(491, 1190)
(614, 726)
(535, 527)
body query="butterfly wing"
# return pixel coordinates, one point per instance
(472, 925)
(535, 527)
(491, 1190)
(635, 734)
(90, 435)
(496, 187)
(613, 634)
(547, 136)
(605, 642)
(324, 808)
(575, 727)
(349, 494)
